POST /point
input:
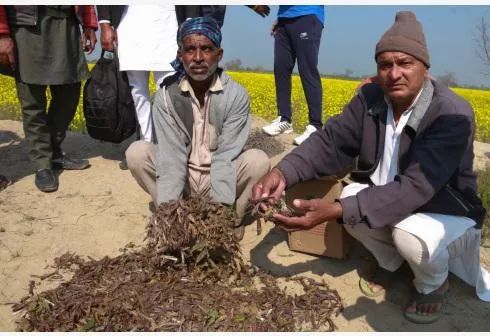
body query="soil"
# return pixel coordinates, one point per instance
(98, 211)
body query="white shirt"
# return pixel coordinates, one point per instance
(388, 164)
(147, 38)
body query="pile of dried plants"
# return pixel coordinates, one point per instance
(189, 277)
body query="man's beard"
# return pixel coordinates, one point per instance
(201, 77)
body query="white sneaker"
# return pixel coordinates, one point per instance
(308, 131)
(277, 127)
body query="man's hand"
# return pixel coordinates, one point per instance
(7, 51)
(316, 210)
(88, 40)
(108, 36)
(262, 10)
(273, 28)
(270, 186)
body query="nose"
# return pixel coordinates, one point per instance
(395, 72)
(198, 56)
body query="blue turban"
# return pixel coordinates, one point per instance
(206, 26)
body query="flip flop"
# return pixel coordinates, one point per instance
(419, 298)
(381, 277)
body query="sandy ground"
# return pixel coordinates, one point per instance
(96, 212)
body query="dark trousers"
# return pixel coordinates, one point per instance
(46, 130)
(298, 39)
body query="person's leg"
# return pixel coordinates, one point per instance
(32, 100)
(250, 166)
(284, 59)
(433, 234)
(139, 80)
(306, 33)
(427, 242)
(430, 273)
(140, 156)
(379, 242)
(62, 109)
(430, 276)
(35, 120)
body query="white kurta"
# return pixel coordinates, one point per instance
(388, 165)
(147, 38)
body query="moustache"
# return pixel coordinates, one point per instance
(198, 65)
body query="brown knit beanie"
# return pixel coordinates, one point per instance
(405, 35)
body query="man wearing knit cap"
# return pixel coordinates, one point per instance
(202, 122)
(408, 142)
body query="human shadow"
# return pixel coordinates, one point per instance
(462, 311)
(259, 256)
(15, 163)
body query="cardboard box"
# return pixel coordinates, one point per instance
(327, 239)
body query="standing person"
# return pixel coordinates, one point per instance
(217, 12)
(202, 122)
(145, 39)
(415, 194)
(44, 47)
(297, 34)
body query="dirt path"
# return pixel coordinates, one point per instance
(98, 211)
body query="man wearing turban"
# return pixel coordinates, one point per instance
(202, 121)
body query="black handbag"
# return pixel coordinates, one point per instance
(108, 107)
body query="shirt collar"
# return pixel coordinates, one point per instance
(410, 108)
(216, 85)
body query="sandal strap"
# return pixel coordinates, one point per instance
(381, 276)
(429, 298)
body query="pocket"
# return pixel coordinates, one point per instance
(314, 27)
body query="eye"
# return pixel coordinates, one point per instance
(384, 66)
(405, 63)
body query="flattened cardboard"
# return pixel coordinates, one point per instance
(326, 239)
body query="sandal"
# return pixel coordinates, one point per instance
(419, 298)
(380, 277)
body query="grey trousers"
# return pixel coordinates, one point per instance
(45, 127)
(251, 165)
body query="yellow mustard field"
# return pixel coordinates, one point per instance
(336, 93)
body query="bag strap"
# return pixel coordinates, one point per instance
(115, 58)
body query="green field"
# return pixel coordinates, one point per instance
(336, 93)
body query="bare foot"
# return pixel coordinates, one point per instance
(375, 288)
(376, 283)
